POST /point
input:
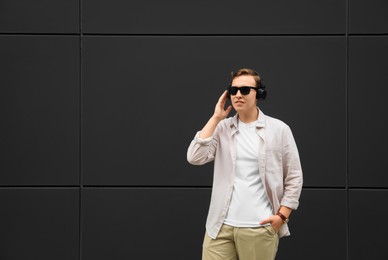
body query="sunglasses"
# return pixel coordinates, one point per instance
(243, 90)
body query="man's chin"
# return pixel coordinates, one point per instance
(238, 109)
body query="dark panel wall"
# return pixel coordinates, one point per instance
(147, 223)
(368, 63)
(39, 16)
(39, 223)
(39, 99)
(362, 246)
(214, 17)
(100, 100)
(368, 17)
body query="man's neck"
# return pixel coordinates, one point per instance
(249, 116)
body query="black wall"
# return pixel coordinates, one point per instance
(100, 100)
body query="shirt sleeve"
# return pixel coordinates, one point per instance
(292, 171)
(202, 151)
(202, 141)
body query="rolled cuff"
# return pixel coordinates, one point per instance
(292, 204)
(199, 140)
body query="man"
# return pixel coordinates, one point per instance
(257, 174)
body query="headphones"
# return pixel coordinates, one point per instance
(261, 92)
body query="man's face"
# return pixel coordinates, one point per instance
(244, 103)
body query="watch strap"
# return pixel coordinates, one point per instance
(284, 218)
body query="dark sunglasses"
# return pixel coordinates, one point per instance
(243, 90)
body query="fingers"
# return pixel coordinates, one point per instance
(222, 98)
(276, 225)
(265, 221)
(275, 222)
(271, 219)
(220, 111)
(228, 109)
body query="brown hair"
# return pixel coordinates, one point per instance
(245, 71)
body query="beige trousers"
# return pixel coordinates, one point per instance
(234, 243)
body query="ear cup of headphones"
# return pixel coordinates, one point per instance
(261, 93)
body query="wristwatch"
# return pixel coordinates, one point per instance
(285, 219)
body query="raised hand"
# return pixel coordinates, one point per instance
(220, 112)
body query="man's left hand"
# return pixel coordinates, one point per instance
(275, 221)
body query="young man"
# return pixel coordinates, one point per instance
(257, 174)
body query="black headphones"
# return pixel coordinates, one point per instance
(261, 92)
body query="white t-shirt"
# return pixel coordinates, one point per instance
(249, 204)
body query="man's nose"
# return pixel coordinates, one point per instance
(238, 93)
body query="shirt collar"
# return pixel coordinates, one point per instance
(259, 123)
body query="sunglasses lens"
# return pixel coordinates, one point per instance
(233, 90)
(245, 90)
